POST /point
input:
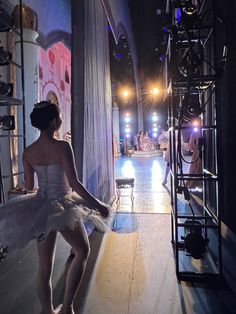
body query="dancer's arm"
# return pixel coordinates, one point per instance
(28, 173)
(68, 161)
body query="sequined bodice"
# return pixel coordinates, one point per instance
(52, 181)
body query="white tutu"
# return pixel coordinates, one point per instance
(53, 207)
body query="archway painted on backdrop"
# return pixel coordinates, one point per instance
(54, 81)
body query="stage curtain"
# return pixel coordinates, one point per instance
(97, 149)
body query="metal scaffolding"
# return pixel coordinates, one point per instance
(192, 73)
(9, 98)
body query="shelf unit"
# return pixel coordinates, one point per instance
(192, 72)
(14, 105)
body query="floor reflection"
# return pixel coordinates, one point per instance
(149, 194)
(128, 169)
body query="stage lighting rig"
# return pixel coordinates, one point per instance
(6, 89)
(187, 15)
(7, 123)
(191, 63)
(190, 108)
(6, 22)
(5, 56)
(194, 242)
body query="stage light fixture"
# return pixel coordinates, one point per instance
(190, 108)
(190, 9)
(189, 16)
(7, 123)
(194, 242)
(127, 117)
(191, 63)
(127, 130)
(154, 118)
(6, 89)
(5, 56)
(6, 22)
(155, 91)
(125, 92)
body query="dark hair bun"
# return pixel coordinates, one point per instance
(43, 113)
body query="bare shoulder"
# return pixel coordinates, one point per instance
(64, 146)
(28, 151)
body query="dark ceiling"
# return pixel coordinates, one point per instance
(148, 21)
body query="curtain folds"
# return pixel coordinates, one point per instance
(97, 154)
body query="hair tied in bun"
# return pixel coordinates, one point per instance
(43, 113)
(42, 104)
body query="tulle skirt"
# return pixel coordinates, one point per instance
(30, 217)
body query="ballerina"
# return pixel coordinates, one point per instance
(61, 204)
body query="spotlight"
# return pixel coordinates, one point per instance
(127, 117)
(191, 62)
(7, 123)
(125, 93)
(190, 9)
(127, 130)
(155, 91)
(154, 117)
(6, 89)
(6, 22)
(194, 243)
(190, 109)
(189, 17)
(195, 124)
(5, 56)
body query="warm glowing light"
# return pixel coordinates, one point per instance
(125, 93)
(195, 129)
(155, 91)
(195, 123)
